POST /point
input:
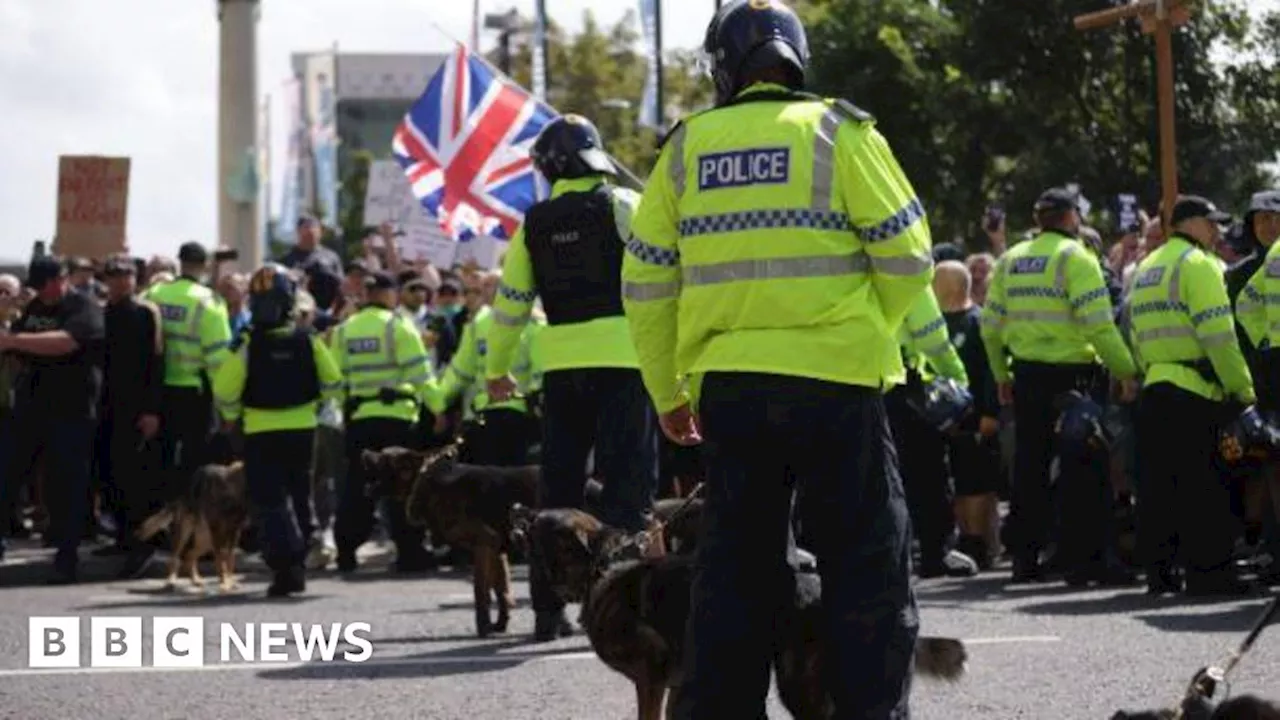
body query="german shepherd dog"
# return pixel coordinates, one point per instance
(469, 506)
(209, 518)
(635, 613)
(680, 517)
(1245, 707)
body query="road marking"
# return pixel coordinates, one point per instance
(1011, 640)
(293, 665)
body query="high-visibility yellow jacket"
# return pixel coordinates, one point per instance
(229, 384)
(1048, 303)
(1180, 317)
(926, 343)
(378, 349)
(197, 333)
(776, 235)
(604, 342)
(465, 374)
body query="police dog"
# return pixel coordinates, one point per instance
(1245, 707)
(679, 518)
(469, 506)
(209, 518)
(634, 613)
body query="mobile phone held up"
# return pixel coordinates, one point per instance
(226, 255)
(994, 218)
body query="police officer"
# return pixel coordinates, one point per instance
(274, 383)
(499, 432)
(1184, 340)
(776, 252)
(1049, 308)
(387, 375)
(922, 449)
(1261, 228)
(197, 339)
(569, 252)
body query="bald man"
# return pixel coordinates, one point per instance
(975, 459)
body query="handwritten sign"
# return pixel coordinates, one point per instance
(93, 205)
(389, 199)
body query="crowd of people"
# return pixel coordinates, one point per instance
(110, 377)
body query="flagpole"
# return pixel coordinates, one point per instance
(541, 9)
(660, 111)
(626, 173)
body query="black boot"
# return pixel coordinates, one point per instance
(290, 581)
(548, 626)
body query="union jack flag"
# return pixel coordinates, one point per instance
(464, 145)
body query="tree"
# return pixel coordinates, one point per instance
(995, 100)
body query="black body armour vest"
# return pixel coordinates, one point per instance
(281, 372)
(576, 254)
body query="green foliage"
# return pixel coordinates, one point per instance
(995, 100)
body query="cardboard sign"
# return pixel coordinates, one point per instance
(93, 205)
(389, 199)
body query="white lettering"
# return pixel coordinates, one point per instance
(350, 634)
(741, 169)
(244, 645)
(328, 644)
(267, 652)
(779, 169)
(760, 165)
(706, 168)
(724, 169)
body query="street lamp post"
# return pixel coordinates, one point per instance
(238, 129)
(506, 24)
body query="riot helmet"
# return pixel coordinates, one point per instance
(750, 35)
(272, 295)
(571, 147)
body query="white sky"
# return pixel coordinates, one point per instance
(139, 78)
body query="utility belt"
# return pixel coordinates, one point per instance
(386, 396)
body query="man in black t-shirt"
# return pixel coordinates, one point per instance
(59, 340)
(316, 261)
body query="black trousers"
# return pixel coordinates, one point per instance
(1184, 510)
(922, 453)
(1036, 390)
(356, 504)
(501, 438)
(129, 467)
(66, 444)
(609, 410)
(766, 435)
(186, 430)
(975, 464)
(277, 468)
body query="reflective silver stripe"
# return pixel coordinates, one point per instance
(389, 337)
(197, 318)
(342, 347)
(939, 349)
(1273, 268)
(676, 166)
(372, 367)
(775, 268)
(645, 292)
(1175, 279)
(1061, 316)
(1060, 272)
(1246, 304)
(824, 160)
(908, 265)
(1164, 333)
(1097, 317)
(1218, 339)
(502, 318)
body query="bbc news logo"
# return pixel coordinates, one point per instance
(180, 642)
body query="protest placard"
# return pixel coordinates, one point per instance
(93, 204)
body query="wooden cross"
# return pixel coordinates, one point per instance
(1159, 17)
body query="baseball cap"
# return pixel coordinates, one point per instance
(1057, 199)
(119, 264)
(947, 251)
(1190, 207)
(411, 279)
(193, 253)
(1266, 201)
(43, 269)
(79, 264)
(380, 281)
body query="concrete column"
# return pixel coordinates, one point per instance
(238, 126)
